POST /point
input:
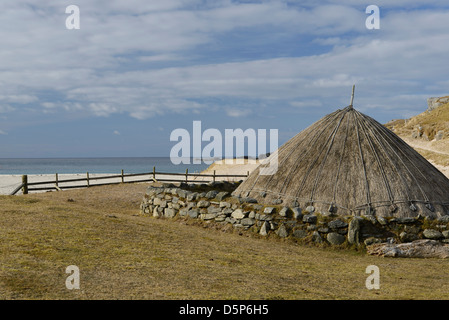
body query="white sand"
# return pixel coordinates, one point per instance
(10, 182)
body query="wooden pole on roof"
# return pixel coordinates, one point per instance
(352, 95)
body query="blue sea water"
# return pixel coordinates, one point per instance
(95, 165)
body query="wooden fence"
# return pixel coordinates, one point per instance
(57, 184)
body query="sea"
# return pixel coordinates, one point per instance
(29, 166)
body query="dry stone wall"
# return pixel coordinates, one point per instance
(213, 203)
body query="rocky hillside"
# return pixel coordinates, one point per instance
(432, 124)
(428, 132)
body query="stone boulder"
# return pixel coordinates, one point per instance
(269, 210)
(432, 234)
(238, 214)
(282, 231)
(297, 213)
(337, 224)
(264, 229)
(310, 218)
(354, 230)
(335, 238)
(203, 204)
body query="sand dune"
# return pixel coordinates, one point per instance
(236, 167)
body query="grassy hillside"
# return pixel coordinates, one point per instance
(124, 255)
(430, 123)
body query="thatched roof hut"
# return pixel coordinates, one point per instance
(348, 163)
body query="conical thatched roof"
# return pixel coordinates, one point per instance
(348, 163)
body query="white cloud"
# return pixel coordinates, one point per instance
(338, 80)
(160, 57)
(3, 132)
(6, 108)
(49, 105)
(237, 113)
(306, 103)
(97, 69)
(102, 109)
(19, 98)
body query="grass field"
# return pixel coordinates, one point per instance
(124, 255)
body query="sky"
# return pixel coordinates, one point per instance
(136, 70)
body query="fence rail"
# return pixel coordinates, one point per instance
(57, 184)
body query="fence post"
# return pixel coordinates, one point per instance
(25, 184)
(154, 173)
(57, 182)
(123, 178)
(87, 175)
(187, 175)
(214, 176)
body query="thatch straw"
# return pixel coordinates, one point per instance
(348, 163)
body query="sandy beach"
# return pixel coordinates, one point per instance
(8, 183)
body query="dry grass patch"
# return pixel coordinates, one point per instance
(123, 255)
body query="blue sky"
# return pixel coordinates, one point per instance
(136, 70)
